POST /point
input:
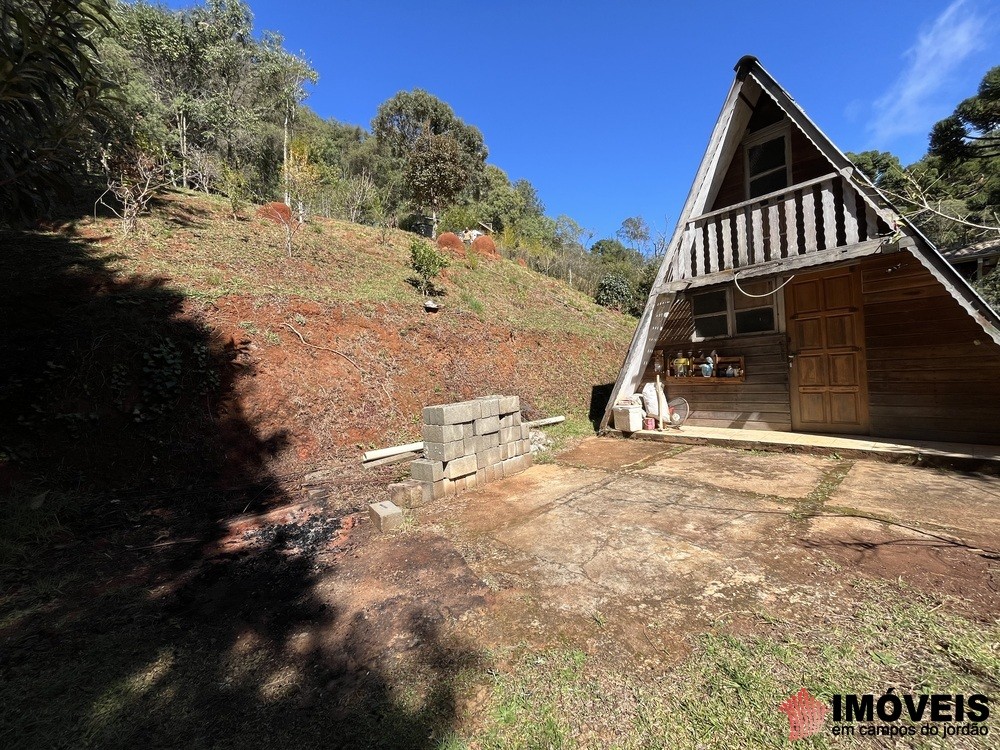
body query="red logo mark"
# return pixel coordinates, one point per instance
(805, 714)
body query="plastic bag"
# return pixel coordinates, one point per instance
(650, 401)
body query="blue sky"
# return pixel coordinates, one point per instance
(607, 106)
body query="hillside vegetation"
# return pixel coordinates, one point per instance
(194, 350)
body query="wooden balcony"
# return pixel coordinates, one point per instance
(807, 224)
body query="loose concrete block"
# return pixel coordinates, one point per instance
(407, 494)
(516, 419)
(490, 405)
(437, 490)
(385, 515)
(463, 411)
(442, 433)
(486, 425)
(425, 470)
(509, 434)
(509, 404)
(471, 446)
(444, 451)
(525, 432)
(489, 457)
(460, 467)
(506, 421)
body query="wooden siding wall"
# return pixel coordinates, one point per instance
(759, 403)
(808, 163)
(927, 378)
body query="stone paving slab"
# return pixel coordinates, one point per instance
(783, 474)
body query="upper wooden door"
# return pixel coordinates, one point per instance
(828, 380)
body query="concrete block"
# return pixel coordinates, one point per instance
(487, 425)
(510, 404)
(492, 440)
(506, 451)
(471, 481)
(444, 451)
(489, 457)
(385, 515)
(471, 446)
(442, 433)
(506, 421)
(527, 460)
(490, 405)
(462, 411)
(508, 469)
(491, 473)
(509, 434)
(525, 447)
(480, 476)
(516, 418)
(437, 490)
(407, 494)
(525, 432)
(425, 470)
(468, 429)
(460, 467)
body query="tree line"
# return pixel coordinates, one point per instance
(132, 98)
(952, 194)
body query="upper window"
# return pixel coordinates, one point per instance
(729, 312)
(767, 162)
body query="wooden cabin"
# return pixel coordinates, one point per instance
(828, 311)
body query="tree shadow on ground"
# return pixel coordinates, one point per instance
(432, 289)
(599, 397)
(124, 621)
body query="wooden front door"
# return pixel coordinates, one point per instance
(826, 346)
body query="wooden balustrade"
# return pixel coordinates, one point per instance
(810, 217)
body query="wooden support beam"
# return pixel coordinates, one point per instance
(782, 265)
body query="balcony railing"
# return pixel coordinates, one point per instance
(810, 217)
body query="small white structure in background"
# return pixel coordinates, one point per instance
(468, 236)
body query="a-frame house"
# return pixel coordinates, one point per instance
(828, 310)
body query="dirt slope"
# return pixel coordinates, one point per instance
(198, 343)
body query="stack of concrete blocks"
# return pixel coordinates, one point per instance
(466, 444)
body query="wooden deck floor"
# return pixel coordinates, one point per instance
(847, 445)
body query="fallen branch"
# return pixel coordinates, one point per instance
(321, 348)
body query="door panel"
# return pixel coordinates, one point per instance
(828, 380)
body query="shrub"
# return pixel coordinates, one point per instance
(426, 261)
(452, 243)
(614, 291)
(485, 245)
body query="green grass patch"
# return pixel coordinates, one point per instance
(726, 692)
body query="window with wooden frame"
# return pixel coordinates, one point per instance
(768, 160)
(730, 312)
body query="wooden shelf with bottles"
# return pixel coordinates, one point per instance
(718, 377)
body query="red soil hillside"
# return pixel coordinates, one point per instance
(197, 341)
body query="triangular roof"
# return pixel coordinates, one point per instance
(751, 82)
